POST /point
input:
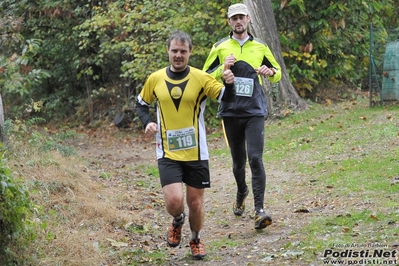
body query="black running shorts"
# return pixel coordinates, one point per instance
(194, 174)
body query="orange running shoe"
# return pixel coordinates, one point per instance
(197, 249)
(174, 233)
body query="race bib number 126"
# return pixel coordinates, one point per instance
(244, 86)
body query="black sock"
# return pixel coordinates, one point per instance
(179, 219)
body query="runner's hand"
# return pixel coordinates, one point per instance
(151, 128)
(264, 71)
(228, 75)
(229, 61)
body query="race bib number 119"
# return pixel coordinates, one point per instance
(181, 139)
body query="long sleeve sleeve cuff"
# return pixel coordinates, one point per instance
(229, 93)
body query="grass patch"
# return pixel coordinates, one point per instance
(139, 256)
(349, 154)
(225, 242)
(220, 153)
(354, 229)
(149, 170)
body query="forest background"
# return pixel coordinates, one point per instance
(85, 61)
(78, 64)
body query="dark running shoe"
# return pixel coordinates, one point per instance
(174, 233)
(262, 220)
(197, 249)
(239, 205)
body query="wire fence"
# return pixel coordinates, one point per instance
(384, 66)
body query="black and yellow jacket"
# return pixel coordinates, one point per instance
(252, 54)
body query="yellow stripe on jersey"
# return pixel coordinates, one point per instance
(181, 100)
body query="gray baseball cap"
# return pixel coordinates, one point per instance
(237, 9)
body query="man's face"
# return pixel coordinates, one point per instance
(239, 23)
(179, 53)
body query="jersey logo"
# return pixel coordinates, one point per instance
(176, 92)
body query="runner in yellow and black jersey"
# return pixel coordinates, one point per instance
(181, 92)
(181, 98)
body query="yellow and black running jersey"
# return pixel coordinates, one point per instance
(181, 100)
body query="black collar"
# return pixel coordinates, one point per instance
(177, 75)
(249, 34)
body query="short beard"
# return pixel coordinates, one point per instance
(239, 31)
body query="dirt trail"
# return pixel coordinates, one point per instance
(228, 240)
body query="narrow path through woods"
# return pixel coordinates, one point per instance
(229, 240)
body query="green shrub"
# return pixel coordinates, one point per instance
(15, 207)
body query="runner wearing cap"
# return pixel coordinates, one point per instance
(249, 59)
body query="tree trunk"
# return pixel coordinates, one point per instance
(2, 133)
(263, 26)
